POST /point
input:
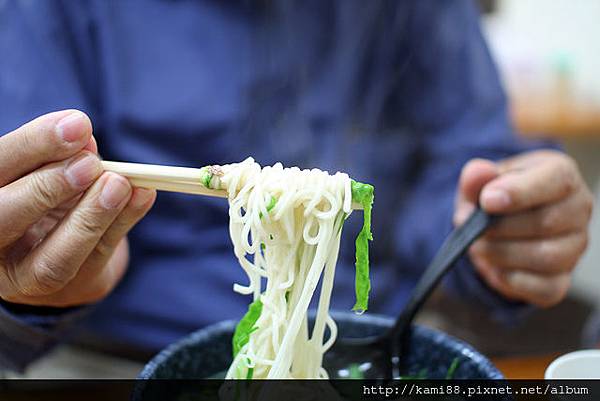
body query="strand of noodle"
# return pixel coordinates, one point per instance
(332, 336)
(325, 297)
(347, 193)
(311, 240)
(283, 358)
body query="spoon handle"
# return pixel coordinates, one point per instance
(453, 247)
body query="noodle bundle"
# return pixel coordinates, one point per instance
(285, 226)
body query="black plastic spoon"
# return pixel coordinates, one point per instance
(380, 357)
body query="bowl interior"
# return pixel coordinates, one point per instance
(207, 352)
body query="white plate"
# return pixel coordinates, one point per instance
(575, 365)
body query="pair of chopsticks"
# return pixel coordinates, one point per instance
(168, 178)
(164, 178)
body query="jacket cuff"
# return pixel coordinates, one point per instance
(28, 332)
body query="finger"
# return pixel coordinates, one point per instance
(518, 190)
(543, 291)
(52, 137)
(140, 203)
(92, 145)
(527, 160)
(570, 214)
(83, 289)
(38, 231)
(544, 256)
(54, 262)
(28, 199)
(104, 266)
(474, 175)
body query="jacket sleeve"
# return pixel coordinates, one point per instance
(44, 66)
(459, 111)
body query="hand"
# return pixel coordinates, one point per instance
(63, 220)
(529, 254)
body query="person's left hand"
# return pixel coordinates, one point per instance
(529, 254)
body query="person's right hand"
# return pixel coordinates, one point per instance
(63, 221)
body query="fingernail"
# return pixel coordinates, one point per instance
(72, 127)
(115, 191)
(495, 199)
(83, 170)
(141, 196)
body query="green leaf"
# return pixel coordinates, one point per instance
(363, 194)
(246, 326)
(354, 372)
(452, 369)
(205, 177)
(270, 206)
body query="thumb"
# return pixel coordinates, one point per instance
(473, 177)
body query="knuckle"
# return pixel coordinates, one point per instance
(26, 139)
(567, 176)
(7, 287)
(85, 224)
(46, 190)
(544, 255)
(34, 138)
(104, 249)
(550, 221)
(48, 277)
(547, 222)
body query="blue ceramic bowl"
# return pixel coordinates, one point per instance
(207, 352)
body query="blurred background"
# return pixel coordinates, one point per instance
(548, 54)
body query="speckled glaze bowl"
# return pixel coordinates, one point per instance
(207, 352)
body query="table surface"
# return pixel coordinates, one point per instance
(524, 367)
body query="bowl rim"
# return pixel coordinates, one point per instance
(437, 336)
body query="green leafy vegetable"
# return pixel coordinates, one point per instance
(421, 375)
(354, 372)
(206, 177)
(270, 206)
(363, 194)
(246, 326)
(452, 369)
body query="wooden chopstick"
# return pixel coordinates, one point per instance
(155, 172)
(168, 178)
(164, 178)
(174, 186)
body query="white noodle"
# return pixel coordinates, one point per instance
(292, 246)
